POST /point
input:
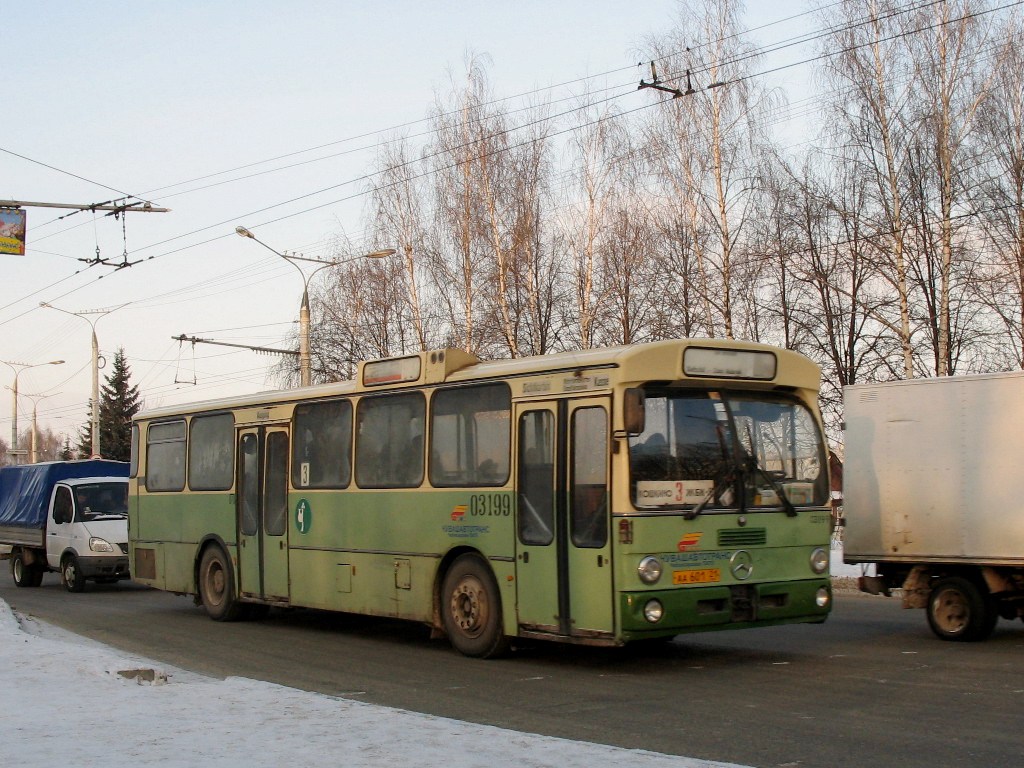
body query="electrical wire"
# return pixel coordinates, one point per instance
(391, 129)
(418, 175)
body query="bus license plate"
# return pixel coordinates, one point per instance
(698, 576)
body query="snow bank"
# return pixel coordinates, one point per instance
(65, 699)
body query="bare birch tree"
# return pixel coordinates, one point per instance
(709, 145)
(999, 190)
(398, 212)
(943, 48)
(872, 75)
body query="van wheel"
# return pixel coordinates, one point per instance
(958, 611)
(25, 575)
(471, 609)
(71, 574)
(217, 586)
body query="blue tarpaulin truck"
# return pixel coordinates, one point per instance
(68, 517)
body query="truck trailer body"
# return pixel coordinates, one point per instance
(932, 496)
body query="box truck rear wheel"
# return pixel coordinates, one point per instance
(25, 575)
(959, 611)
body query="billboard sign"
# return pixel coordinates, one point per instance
(12, 231)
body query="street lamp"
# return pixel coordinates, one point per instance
(305, 378)
(33, 455)
(92, 321)
(18, 368)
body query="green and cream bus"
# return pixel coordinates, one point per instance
(598, 497)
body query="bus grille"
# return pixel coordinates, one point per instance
(743, 537)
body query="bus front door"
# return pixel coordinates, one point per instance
(262, 505)
(563, 565)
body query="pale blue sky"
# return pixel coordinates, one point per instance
(139, 95)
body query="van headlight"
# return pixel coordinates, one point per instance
(97, 544)
(649, 570)
(819, 560)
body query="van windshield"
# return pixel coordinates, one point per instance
(97, 501)
(707, 451)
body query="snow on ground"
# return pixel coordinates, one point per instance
(65, 699)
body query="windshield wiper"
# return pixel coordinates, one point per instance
(749, 459)
(781, 494)
(693, 513)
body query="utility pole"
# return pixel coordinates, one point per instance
(305, 374)
(84, 314)
(33, 456)
(18, 368)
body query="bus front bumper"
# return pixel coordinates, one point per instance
(696, 609)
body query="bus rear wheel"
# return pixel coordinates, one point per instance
(217, 586)
(471, 609)
(958, 611)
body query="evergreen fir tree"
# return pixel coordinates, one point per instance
(119, 401)
(84, 447)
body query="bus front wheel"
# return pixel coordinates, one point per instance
(471, 609)
(217, 586)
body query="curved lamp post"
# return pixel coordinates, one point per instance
(92, 321)
(305, 377)
(18, 368)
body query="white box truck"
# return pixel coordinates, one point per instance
(69, 517)
(933, 495)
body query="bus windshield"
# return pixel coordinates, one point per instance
(726, 451)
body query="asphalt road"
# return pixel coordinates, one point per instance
(871, 687)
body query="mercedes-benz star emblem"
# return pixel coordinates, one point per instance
(742, 565)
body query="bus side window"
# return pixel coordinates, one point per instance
(322, 445)
(389, 441)
(470, 440)
(536, 481)
(211, 452)
(165, 456)
(589, 502)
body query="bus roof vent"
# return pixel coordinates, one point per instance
(441, 363)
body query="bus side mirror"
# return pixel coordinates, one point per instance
(633, 411)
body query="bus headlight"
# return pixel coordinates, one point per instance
(821, 598)
(97, 544)
(653, 611)
(819, 560)
(649, 570)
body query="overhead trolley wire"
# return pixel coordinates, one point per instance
(369, 176)
(380, 131)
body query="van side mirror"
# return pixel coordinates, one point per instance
(633, 413)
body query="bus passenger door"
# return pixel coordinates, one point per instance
(563, 565)
(262, 504)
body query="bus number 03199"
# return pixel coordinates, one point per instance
(490, 504)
